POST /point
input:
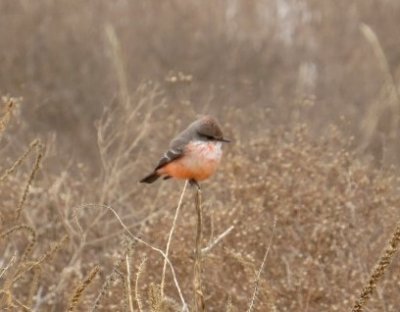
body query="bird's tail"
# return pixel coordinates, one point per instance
(150, 178)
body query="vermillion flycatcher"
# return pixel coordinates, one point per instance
(193, 155)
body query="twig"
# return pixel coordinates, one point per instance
(81, 288)
(393, 100)
(9, 264)
(110, 279)
(170, 238)
(128, 283)
(18, 162)
(137, 295)
(379, 270)
(184, 305)
(45, 257)
(198, 288)
(257, 281)
(207, 249)
(34, 171)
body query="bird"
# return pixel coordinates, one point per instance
(194, 154)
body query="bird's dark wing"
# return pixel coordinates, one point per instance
(172, 154)
(176, 148)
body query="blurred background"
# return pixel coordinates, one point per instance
(277, 61)
(308, 91)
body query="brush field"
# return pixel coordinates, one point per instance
(303, 212)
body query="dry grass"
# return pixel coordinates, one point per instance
(308, 91)
(378, 271)
(80, 289)
(198, 290)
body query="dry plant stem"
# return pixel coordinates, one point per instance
(21, 305)
(5, 298)
(137, 294)
(5, 118)
(34, 285)
(35, 169)
(21, 268)
(116, 168)
(372, 38)
(18, 162)
(184, 305)
(128, 283)
(78, 292)
(118, 63)
(198, 287)
(393, 105)
(170, 238)
(10, 264)
(257, 281)
(44, 258)
(32, 240)
(119, 232)
(38, 299)
(378, 271)
(107, 284)
(155, 299)
(207, 249)
(229, 305)
(114, 160)
(384, 63)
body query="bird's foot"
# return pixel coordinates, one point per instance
(193, 182)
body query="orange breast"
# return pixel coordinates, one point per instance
(199, 162)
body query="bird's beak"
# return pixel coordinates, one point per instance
(224, 140)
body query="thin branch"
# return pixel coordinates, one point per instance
(170, 238)
(207, 249)
(379, 270)
(198, 287)
(137, 295)
(9, 264)
(128, 283)
(132, 236)
(258, 276)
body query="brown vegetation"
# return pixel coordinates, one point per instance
(303, 213)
